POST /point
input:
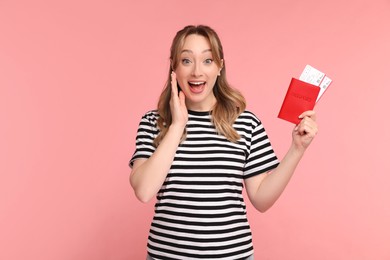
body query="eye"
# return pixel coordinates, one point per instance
(208, 61)
(185, 61)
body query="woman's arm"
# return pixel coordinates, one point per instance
(148, 175)
(264, 189)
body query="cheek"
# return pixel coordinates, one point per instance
(180, 79)
(213, 77)
(180, 76)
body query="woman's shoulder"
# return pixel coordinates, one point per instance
(151, 113)
(151, 116)
(249, 116)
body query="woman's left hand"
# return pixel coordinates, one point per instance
(304, 133)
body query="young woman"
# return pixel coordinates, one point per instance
(198, 150)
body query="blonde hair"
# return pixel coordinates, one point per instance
(230, 102)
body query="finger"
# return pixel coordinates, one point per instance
(307, 125)
(311, 133)
(308, 129)
(310, 113)
(173, 84)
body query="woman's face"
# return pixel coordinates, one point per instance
(197, 73)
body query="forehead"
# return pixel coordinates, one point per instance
(196, 44)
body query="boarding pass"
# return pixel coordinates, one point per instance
(315, 77)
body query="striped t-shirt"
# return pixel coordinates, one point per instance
(200, 212)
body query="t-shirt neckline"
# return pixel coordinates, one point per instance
(199, 113)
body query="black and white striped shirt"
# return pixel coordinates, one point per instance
(200, 212)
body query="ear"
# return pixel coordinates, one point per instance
(219, 72)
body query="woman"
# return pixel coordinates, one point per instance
(197, 150)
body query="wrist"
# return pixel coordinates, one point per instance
(176, 131)
(176, 127)
(296, 150)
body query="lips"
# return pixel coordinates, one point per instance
(197, 86)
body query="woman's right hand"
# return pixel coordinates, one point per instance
(178, 104)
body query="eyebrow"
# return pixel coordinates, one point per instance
(185, 50)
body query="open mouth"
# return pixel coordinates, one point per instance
(197, 86)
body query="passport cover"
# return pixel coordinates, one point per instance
(300, 97)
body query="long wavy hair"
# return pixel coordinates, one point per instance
(230, 102)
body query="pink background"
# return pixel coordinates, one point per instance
(76, 76)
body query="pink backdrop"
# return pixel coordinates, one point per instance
(76, 76)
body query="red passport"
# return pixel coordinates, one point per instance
(300, 97)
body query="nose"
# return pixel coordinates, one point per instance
(197, 70)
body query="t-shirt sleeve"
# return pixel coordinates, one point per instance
(261, 156)
(147, 132)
